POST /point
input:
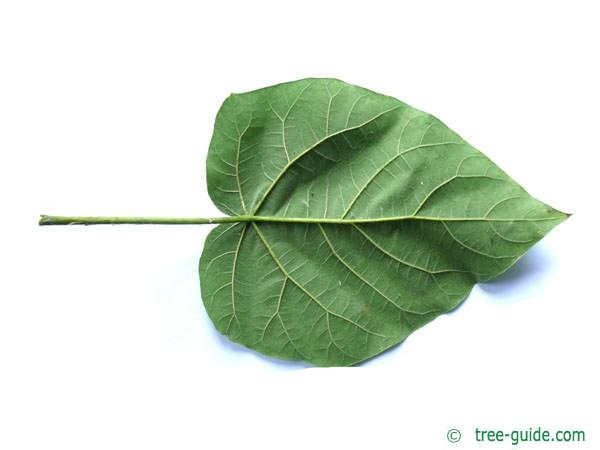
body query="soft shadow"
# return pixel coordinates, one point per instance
(523, 278)
(282, 364)
(517, 283)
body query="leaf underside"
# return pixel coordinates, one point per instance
(405, 218)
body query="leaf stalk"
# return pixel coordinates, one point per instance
(113, 220)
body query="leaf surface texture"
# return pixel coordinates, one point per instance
(375, 218)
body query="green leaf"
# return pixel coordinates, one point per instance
(369, 219)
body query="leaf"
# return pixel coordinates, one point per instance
(373, 219)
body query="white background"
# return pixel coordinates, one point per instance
(108, 107)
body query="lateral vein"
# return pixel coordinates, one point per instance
(303, 289)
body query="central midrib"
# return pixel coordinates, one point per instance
(340, 221)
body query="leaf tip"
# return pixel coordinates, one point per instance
(566, 215)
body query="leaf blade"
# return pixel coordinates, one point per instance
(405, 217)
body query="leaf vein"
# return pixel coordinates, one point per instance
(303, 289)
